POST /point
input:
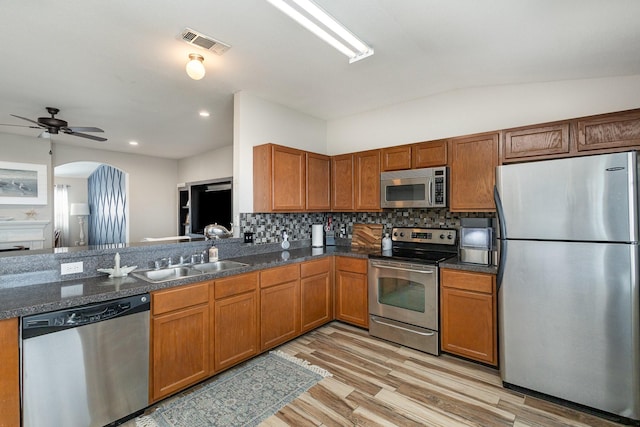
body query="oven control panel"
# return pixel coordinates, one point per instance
(442, 236)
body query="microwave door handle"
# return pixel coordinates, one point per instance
(430, 191)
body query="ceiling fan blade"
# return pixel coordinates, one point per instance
(21, 126)
(84, 129)
(68, 131)
(29, 120)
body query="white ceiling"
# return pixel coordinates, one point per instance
(117, 64)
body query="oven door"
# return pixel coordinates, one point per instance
(405, 292)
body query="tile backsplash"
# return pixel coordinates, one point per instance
(268, 227)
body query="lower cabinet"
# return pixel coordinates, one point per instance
(9, 373)
(235, 323)
(351, 291)
(316, 296)
(279, 305)
(180, 337)
(468, 315)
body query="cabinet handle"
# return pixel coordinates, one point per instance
(426, 334)
(402, 269)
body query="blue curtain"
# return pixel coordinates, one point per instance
(107, 206)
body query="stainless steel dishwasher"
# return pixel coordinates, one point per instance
(86, 366)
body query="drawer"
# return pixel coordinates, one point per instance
(235, 285)
(354, 265)
(274, 276)
(469, 281)
(313, 268)
(168, 300)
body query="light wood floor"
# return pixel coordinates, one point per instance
(377, 383)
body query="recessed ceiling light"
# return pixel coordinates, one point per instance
(204, 114)
(133, 142)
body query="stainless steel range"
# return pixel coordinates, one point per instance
(404, 287)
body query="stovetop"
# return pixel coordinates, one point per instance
(421, 245)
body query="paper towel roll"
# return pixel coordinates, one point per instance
(317, 236)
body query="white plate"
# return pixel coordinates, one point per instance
(6, 218)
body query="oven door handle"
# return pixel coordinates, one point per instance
(403, 269)
(426, 334)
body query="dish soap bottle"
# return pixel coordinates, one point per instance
(213, 254)
(285, 241)
(386, 242)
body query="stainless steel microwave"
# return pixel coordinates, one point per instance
(415, 188)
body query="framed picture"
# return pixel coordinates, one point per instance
(23, 184)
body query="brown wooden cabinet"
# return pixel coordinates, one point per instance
(396, 158)
(279, 305)
(367, 180)
(342, 183)
(180, 337)
(607, 131)
(318, 185)
(535, 142)
(316, 302)
(472, 172)
(468, 315)
(235, 308)
(9, 373)
(351, 291)
(429, 154)
(279, 179)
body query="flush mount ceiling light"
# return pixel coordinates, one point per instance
(313, 18)
(195, 66)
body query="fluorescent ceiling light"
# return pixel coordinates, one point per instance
(337, 35)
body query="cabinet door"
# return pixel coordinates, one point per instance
(351, 296)
(289, 179)
(473, 163)
(316, 306)
(367, 180)
(469, 322)
(9, 373)
(609, 131)
(180, 350)
(342, 182)
(318, 182)
(538, 141)
(236, 329)
(279, 314)
(396, 158)
(429, 154)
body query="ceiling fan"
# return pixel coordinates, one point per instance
(54, 125)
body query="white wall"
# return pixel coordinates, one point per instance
(213, 164)
(469, 111)
(256, 122)
(23, 149)
(152, 195)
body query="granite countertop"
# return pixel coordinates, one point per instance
(51, 296)
(40, 298)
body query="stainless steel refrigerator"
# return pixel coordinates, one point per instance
(568, 280)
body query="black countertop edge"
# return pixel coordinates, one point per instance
(41, 298)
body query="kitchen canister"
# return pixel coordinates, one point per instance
(317, 235)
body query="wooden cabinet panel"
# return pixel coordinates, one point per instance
(275, 276)
(316, 303)
(9, 373)
(367, 180)
(342, 182)
(180, 297)
(472, 173)
(235, 285)
(236, 329)
(523, 143)
(468, 315)
(279, 179)
(609, 131)
(180, 350)
(396, 158)
(429, 154)
(351, 292)
(279, 313)
(318, 186)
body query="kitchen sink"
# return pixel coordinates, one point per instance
(213, 267)
(165, 274)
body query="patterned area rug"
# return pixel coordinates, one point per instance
(243, 396)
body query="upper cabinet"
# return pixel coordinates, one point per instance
(618, 130)
(342, 182)
(535, 141)
(472, 172)
(355, 181)
(429, 154)
(396, 158)
(290, 180)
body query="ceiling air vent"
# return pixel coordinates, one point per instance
(205, 42)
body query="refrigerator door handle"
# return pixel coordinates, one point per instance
(502, 240)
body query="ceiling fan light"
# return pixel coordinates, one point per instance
(195, 66)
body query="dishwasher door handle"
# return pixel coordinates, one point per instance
(426, 334)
